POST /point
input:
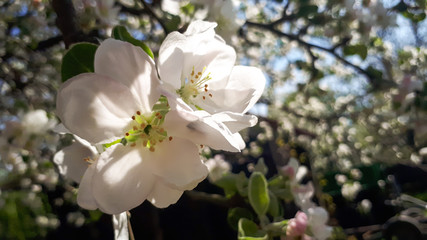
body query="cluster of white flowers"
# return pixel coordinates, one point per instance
(374, 14)
(350, 190)
(312, 217)
(223, 12)
(217, 167)
(24, 136)
(104, 10)
(140, 134)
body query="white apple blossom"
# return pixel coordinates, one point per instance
(350, 190)
(199, 67)
(107, 12)
(223, 12)
(119, 102)
(217, 167)
(302, 193)
(317, 218)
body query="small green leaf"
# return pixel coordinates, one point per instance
(374, 73)
(120, 33)
(358, 49)
(172, 22)
(261, 167)
(94, 215)
(235, 214)
(78, 59)
(188, 9)
(307, 10)
(242, 184)
(258, 193)
(414, 17)
(248, 230)
(228, 183)
(274, 207)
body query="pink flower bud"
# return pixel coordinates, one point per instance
(296, 226)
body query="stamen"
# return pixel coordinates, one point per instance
(170, 138)
(133, 117)
(210, 94)
(127, 134)
(204, 98)
(152, 149)
(201, 146)
(138, 112)
(133, 145)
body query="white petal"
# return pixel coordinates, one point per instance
(95, 107)
(201, 27)
(85, 197)
(171, 59)
(123, 179)
(131, 66)
(70, 160)
(243, 89)
(200, 128)
(61, 129)
(317, 216)
(120, 225)
(171, 6)
(178, 163)
(162, 195)
(236, 121)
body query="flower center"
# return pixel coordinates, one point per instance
(147, 130)
(193, 85)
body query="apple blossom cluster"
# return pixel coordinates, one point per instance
(139, 126)
(23, 137)
(222, 12)
(311, 219)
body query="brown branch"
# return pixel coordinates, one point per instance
(45, 44)
(66, 21)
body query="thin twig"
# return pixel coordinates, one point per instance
(131, 236)
(305, 44)
(151, 13)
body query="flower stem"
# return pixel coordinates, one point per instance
(131, 236)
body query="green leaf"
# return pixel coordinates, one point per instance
(172, 22)
(374, 73)
(242, 184)
(120, 33)
(274, 207)
(414, 17)
(235, 214)
(358, 49)
(188, 9)
(78, 59)
(307, 10)
(248, 230)
(258, 193)
(261, 167)
(228, 183)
